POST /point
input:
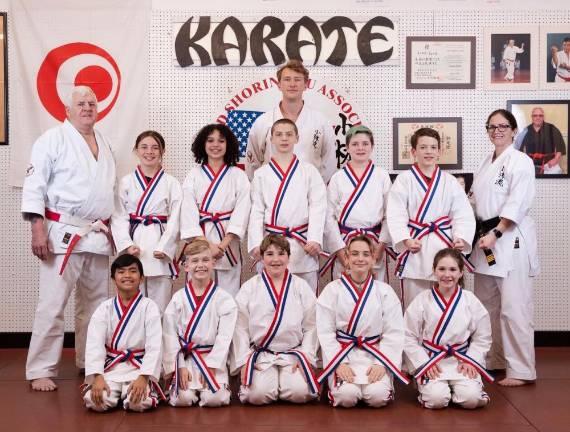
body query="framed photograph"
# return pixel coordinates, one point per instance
(3, 79)
(543, 134)
(450, 131)
(510, 58)
(446, 62)
(555, 57)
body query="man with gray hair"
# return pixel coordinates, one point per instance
(68, 197)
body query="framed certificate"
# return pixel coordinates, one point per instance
(446, 62)
(450, 132)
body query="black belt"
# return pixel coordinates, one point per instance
(484, 226)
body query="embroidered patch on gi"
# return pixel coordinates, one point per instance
(66, 238)
(501, 177)
(316, 137)
(29, 170)
(517, 245)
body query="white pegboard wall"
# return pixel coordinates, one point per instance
(181, 100)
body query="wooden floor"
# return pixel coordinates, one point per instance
(544, 406)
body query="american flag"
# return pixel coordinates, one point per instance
(240, 122)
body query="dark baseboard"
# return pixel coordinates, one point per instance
(22, 340)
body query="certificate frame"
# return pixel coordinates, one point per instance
(556, 112)
(456, 43)
(3, 78)
(449, 128)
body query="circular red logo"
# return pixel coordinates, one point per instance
(104, 79)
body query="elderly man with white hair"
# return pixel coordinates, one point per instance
(68, 199)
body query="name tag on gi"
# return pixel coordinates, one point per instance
(66, 238)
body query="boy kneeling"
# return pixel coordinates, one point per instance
(124, 337)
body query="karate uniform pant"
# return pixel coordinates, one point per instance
(206, 397)
(90, 274)
(276, 382)
(158, 289)
(229, 280)
(376, 394)
(510, 65)
(510, 304)
(468, 393)
(312, 278)
(119, 392)
(410, 288)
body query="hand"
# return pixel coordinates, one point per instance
(379, 251)
(459, 244)
(39, 239)
(138, 389)
(467, 370)
(552, 162)
(522, 45)
(312, 248)
(413, 245)
(375, 373)
(203, 380)
(433, 372)
(134, 250)
(487, 241)
(97, 388)
(184, 377)
(159, 255)
(345, 373)
(256, 254)
(342, 257)
(297, 367)
(217, 251)
(553, 49)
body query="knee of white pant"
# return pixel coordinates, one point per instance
(435, 395)
(346, 395)
(295, 390)
(378, 394)
(258, 394)
(469, 396)
(214, 400)
(183, 398)
(107, 404)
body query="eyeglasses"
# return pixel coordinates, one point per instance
(500, 127)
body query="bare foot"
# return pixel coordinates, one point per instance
(43, 384)
(513, 382)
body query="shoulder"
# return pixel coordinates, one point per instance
(238, 173)
(521, 162)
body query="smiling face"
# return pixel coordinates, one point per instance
(200, 266)
(427, 151)
(292, 84)
(127, 279)
(82, 113)
(215, 147)
(284, 138)
(447, 273)
(500, 131)
(360, 258)
(149, 152)
(537, 117)
(275, 261)
(360, 148)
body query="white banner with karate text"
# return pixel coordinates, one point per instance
(59, 44)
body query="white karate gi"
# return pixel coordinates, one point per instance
(409, 201)
(509, 57)
(468, 321)
(137, 200)
(114, 330)
(562, 74)
(317, 142)
(214, 327)
(65, 178)
(273, 377)
(506, 188)
(380, 316)
(303, 201)
(228, 196)
(354, 204)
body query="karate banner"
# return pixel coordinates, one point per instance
(58, 44)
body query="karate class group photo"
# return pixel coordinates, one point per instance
(268, 224)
